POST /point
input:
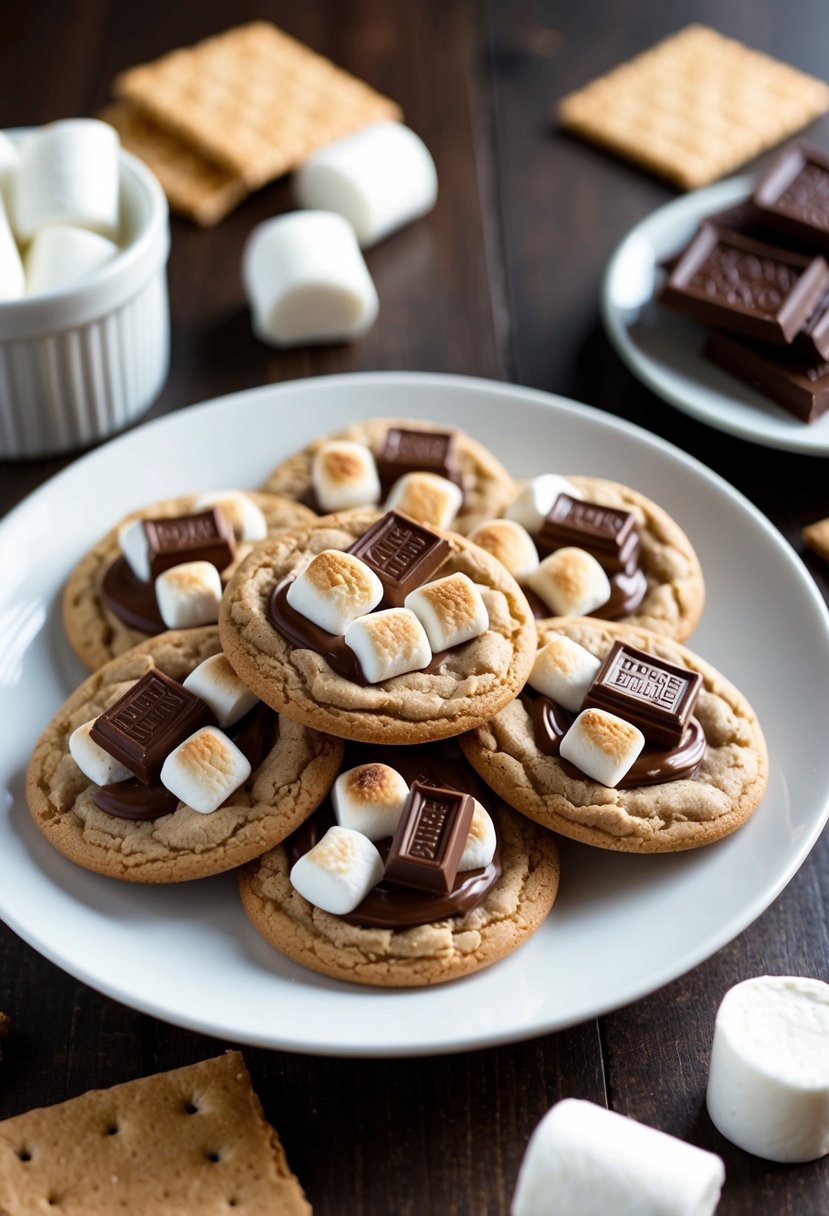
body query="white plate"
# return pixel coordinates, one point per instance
(621, 927)
(664, 349)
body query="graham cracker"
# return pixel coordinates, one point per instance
(253, 100)
(694, 106)
(816, 536)
(189, 1141)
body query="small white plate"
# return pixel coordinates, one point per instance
(664, 349)
(622, 926)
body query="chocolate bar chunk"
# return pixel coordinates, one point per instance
(760, 291)
(416, 452)
(656, 696)
(206, 537)
(151, 718)
(793, 197)
(611, 535)
(430, 838)
(401, 553)
(799, 384)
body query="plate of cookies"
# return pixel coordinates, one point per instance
(396, 714)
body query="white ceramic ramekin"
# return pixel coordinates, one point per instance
(80, 364)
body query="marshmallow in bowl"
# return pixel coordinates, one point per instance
(241, 512)
(68, 174)
(388, 643)
(535, 501)
(370, 799)
(511, 544)
(95, 763)
(584, 1159)
(333, 589)
(426, 498)
(12, 274)
(344, 474)
(61, 255)
(768, 1084)
(215, 681)
(338, 872)
(563, 671)
(571, 582)
(479, 849)
(189, 595)
(204, 770)
(450, 609)
(602, 745)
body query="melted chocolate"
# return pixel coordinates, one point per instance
(130, 599)
(626, 594)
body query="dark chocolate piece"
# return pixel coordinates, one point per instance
(799, 384)
(609, 534)
(793, 197)
(430, 838)
(205, 537)
(758, 290)
(406, 451)
(657, 696)
(131, 599)
(152, 718)
(402, 554)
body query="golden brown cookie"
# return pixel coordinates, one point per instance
(286, 787)
(471, 683)
(95, 633)
(669, 817)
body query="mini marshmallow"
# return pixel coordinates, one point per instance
(204, 770)
(571, 582)
(189, 595)
(344, 474)
(68, 174)
(217, 683)
(451, 610)
(334, 589)
(379, 179)
(338, 872)
(388, 644)
(535, 501)
(92, 760)
(602, 745)
(768, 1085)
(12, 275)
(584, 1160)
(427, 498)
(563, 671)
(61, 256)
(370, 799)
(240, 511)
(133, 543)
(479, 849)
(306, 280)
(511, 544)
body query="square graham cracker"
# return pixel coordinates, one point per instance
(816, 536)
(193, 1140)
(694, 106)
(253, 100)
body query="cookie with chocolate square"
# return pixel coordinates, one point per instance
(625, 740)
(110, 601)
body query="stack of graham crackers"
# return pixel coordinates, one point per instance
(219, 119)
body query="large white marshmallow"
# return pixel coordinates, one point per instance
(61, 256)
(479, 849)
(241, 512)
(306, 280)
(427, 498)
(204, 770)
(511, 544)
(189, 595)
(378, 179)
(768, 1085)
(344, 474)
(602, 745)
(450, 609)
(12, 274)
(388, 644)
(218, 685)
(92, 760)
(563, 671)
(338, 872)
(571, 582)
(334, 589)
(370, 799)
(135, 547)
(584, 1160)
(535, 500)
(9, 164)
(68, 174)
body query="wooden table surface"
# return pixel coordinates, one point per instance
(502, 280)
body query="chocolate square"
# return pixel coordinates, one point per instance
(430, 838)
(204, 537)
(401, 553)
(416, 452)
(654, 695)
(798, 383)
(611, 535)
(793, 197)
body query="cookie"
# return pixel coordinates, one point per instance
(816, 536)
(464, 687)
(487, 486)
(95, 632)
(282, 790)
(425, 953)
(668, 817)
(193, 1140)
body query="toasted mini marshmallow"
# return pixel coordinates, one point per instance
(602, 745)
(571, 582)
(768, 1086)
(133, 543)
(334, 589)
(535, 501)
(427, 498)
(92, 760)
(370, 799)
(451, 610)
(511, 544)
(204, 770)
(344, 474)
(388, 644)
(240, 511)
(563, 671)
(189, 595)
(338, 872)
(217, 683)
(479, 849)
(585, 1159)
